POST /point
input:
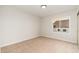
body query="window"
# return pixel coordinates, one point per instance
(61, 25)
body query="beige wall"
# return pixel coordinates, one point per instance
(16, 25)
(47, 26)
(0, 49)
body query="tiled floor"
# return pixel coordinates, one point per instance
(41, 45)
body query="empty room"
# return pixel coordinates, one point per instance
(39, 29)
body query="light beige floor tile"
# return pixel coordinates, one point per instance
(42, 45)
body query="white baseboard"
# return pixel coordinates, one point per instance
(61, 39)
(10, 43)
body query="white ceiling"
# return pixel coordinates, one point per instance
(50, 10)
